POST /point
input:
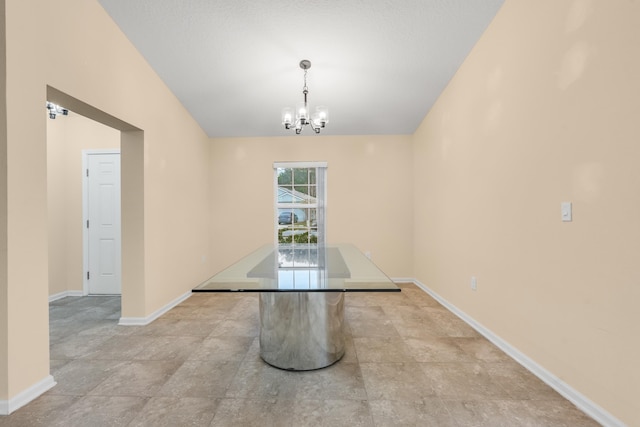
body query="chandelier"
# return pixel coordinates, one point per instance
(319, 119)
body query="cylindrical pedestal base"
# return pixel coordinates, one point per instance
(301, 331)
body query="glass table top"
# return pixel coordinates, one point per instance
(312, 268)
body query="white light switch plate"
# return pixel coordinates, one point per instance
(566, 211)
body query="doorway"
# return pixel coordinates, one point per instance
(131, 144)
(102, 241)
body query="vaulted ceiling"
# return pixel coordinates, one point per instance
(378, 65)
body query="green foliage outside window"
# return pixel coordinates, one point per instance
(297, 238)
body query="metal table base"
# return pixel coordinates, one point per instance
(301, 331)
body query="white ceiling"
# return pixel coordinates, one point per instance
(378, 65)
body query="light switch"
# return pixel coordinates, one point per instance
(565, 208)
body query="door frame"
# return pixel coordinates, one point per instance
(85, 212)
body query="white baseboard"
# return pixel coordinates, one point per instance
(583, 403)
(17, 402)
(65, 294)
(142, 321)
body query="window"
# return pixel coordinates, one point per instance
(300, 203)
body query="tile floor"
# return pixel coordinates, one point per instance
(408, 362)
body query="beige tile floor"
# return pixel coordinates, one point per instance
(408, 362)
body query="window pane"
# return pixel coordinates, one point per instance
(298, 194)
(290, 216)
(312, 215)
(285, 233)
(301, 176)
(312, 176)
(301, 236)
(286, 195)
(285, 176)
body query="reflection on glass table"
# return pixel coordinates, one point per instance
(301, 298)
(301, 268)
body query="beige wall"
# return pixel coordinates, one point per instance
(67, 136)
(544, 110)
(368, 194)
(4, 270)
(91, 60)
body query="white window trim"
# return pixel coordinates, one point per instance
(299, 165)
(276, 206)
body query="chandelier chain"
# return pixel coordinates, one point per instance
(305, 81)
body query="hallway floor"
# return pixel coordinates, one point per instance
(408, 362)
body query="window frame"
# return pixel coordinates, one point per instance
(321, 197)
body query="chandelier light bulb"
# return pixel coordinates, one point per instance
(302, 113)
(322, 114)
(287, 117)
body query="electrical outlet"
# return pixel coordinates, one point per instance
(474, 284)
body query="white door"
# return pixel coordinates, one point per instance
(103, 223)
